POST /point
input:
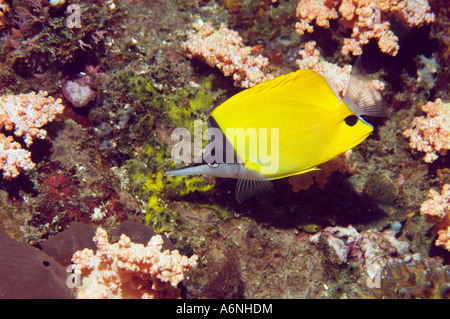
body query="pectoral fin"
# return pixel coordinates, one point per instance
(251, 183)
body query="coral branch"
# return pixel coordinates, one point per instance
(13, 158)
(431, 134)
(366, 18)
(437, 210)
(25, 114)
(225, 50)
(129, 270)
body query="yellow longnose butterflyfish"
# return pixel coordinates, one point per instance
(284, 127)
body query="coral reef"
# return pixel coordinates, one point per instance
(373, 250)
(40, 38)
(431, 133)
(252, 260)
(25, 114)
(437, 210)
(419, 279)
(366, 18)
(69, 184)
(225, 50)
(159, 114)
(129, 270)
(103, 163)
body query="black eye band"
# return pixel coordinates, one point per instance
(212, 123)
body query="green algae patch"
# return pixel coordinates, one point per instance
(180, 108)
(147, 180)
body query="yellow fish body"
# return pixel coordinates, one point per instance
(290, 125)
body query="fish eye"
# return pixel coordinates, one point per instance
(213, 165)
(351, 120)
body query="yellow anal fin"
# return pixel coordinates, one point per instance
(303, 171)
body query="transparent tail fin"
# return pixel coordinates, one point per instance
(361, 95)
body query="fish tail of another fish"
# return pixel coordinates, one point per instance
(361, 95)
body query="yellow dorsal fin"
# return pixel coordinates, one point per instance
(302, 79)
(303, 87)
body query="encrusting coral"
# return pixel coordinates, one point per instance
(129, 270)
(373, 250)
(420, 278)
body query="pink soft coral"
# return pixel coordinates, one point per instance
(366, 18)
(225, 50)
(129, 270)
(437, 210)
(431, 133)
(25, 114)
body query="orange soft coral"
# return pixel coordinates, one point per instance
(4, 8)
(366, 18)
(431, 133)
(129, 270)
(437, 210)
(25, 114)
(225, 50)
